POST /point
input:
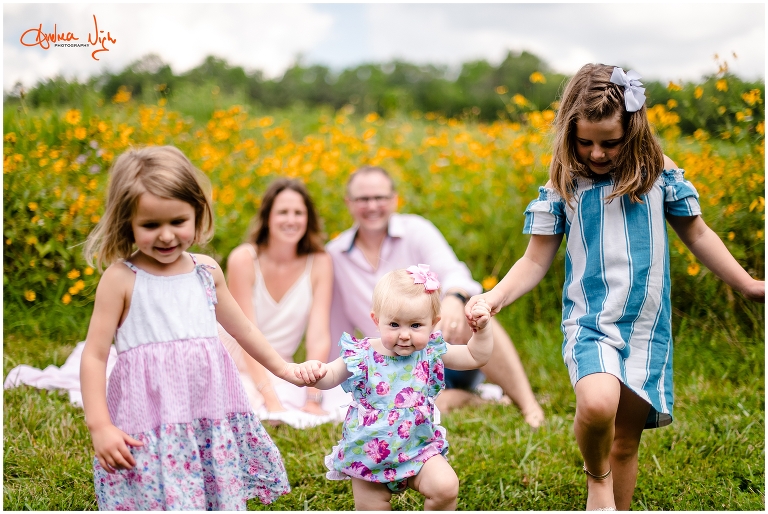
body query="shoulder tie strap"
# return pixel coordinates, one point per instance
(131, 266)
(206, 278)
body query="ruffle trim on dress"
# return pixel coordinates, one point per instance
(201, 465)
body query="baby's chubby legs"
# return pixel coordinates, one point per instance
(436, 480)
(608, 424)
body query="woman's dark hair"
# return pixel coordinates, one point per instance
(311, 242)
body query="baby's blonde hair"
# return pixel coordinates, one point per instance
(396, 285)
(163, 171)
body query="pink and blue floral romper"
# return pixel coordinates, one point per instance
(390, 430)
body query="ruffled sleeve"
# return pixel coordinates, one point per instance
(680, 197)
(546, 214)
(435, 350)
(353, 351)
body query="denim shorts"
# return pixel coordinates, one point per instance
(467, 380)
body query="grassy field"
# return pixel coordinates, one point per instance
(473, 181)
(711, 458)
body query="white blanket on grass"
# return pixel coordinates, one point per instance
(67, 378)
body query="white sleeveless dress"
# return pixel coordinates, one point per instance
(175, 389)
(283, 324)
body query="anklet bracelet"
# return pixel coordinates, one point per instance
(596, 477)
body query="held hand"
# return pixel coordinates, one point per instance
(452, 324)
(481, 315)
(111, 445)
(493, 304)
(306, 373)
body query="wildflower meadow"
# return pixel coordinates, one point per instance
(473, 180)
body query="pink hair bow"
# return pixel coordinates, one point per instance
(422, 275)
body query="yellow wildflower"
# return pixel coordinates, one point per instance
(693, 269)
(66, 299)
(671, 103)
(30, 295)
(501, 90)
(79, 285)
(371, 117)
(519, 100)
(537, 78)
(731, 236)
(122, 95)
(88, 271)
(72, 117)
(32, 206)
(489, 283)
(674, 87)
(698, 92)
(72, 275)
(31, 240)
(80, 133)
(722, 85)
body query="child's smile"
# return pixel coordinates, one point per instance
(598, 143)
(163, 228)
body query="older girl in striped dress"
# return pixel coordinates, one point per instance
(611, 192)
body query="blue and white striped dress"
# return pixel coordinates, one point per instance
(616, 296)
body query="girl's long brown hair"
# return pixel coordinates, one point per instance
(312, 242)
(590, 95)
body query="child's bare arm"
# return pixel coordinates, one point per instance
(712, 252)
(109, 442)
(336, 372)
(477, 351)
(523, 276)
(250, 338)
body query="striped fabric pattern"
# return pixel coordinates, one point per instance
(616, 295)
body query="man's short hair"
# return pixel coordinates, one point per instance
(366, 170)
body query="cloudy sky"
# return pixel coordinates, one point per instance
(661, 41)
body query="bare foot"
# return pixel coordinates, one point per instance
(534, 416)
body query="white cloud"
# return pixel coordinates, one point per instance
(661, 41)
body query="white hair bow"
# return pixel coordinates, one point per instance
(634, 96)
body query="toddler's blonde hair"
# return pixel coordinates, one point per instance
(396, 285)
(163, 171)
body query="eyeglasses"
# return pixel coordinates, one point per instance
(363, 200)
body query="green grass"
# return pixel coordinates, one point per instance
(711, 458)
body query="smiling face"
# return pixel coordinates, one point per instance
(288, 217)
(598, 143)
(371, 200)
(163, 228)
(407, 330)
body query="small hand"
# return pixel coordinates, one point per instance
(308, 373)
(494, 304)
(111, 445)
(481, 315)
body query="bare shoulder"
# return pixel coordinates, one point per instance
(210, 261)
(241, 254)
(548, 185)
(117, 279)
(322, 266)
(669, 164)
(240, 261)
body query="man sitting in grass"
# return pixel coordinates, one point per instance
(381, 241)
